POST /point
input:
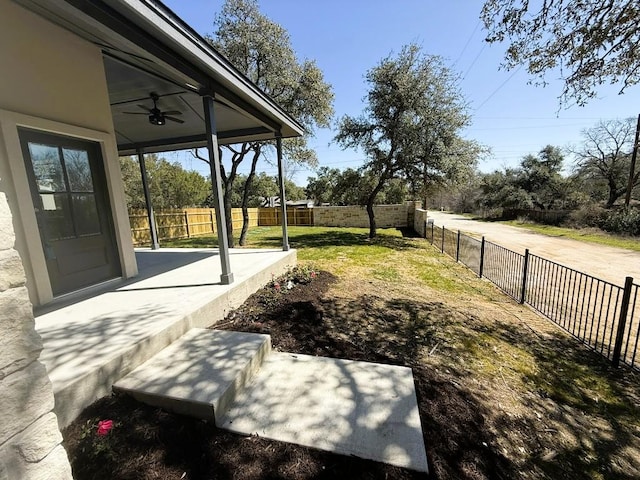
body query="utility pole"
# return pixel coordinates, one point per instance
(632, 169)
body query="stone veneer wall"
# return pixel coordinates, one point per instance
(387, 216)
(420, 221)
(30, 440)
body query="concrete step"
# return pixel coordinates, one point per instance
(200, 374)
(364, 409)
(368, 410)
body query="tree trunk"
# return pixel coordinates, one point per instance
(245, 196)
(370, 200)
(372, 218)
(228, 218)
(613, 194)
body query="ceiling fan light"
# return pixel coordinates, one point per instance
(156, 119)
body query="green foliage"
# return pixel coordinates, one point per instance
(537, 183)
(292, 278)
(352, 187)
(411, 124)
(625, 221)
(261, 49)
(170, 185)
(263, 186)
(587, 42)
(587, 215)
(94, 446)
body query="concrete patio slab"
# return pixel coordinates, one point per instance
(93, 339)
(353, 408)
(200, 374)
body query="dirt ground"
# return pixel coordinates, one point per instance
(502, 393)
(608, 263)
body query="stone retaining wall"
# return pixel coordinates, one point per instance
(30, 441)
(420, 221)
(387, 216)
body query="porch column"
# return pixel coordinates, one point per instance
(147, 200)
(218, 202)
(283, 199)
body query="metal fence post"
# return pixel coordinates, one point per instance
(622, 321)
(425, 229)
(442, 239)
(432, 227)
(481, 258)
(458, 247)
(525, 271)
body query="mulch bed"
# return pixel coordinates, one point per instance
(149, 443)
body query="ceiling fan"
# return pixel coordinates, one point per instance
(157, 116)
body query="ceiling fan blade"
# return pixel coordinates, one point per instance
(135, 113)
(172, 112)
(177, 120)
(144, 108)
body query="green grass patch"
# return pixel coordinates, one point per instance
(587, 235)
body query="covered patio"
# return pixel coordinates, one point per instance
(92, 340)
(87, 81)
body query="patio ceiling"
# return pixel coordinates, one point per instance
(147, 49)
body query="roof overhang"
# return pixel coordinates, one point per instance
(147, 48)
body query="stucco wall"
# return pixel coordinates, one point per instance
(30, 442)
(387, 216)
(52, 81)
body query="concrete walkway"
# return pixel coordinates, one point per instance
(352, 408)
(608, 263)
(93, 340)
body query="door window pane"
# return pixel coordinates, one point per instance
(78, 170)
(86, 214)
(57, 221)
(47, 167)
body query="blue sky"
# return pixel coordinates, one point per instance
(348, 37)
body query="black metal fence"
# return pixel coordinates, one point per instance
(603, 315)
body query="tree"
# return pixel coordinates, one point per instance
(605, 156)
(590, 42)
(412, 119)
(536, 183)
(540, 177)
(444, 165)
(351, 187)
(261, 49)
(320, 188)
(170, 186)
(501, 190)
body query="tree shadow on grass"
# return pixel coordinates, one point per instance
(393, 332)
(560, 429)
(585, 414)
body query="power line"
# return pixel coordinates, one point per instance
(471, 129)
(474, 61)
(464, 49)
(499, 87)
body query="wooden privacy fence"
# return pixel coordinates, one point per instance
(174, 224)
(271, 216)
(180, 223)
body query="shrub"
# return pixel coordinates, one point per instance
(589, 215)
(625, 220)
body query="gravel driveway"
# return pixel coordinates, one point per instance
(608, 263)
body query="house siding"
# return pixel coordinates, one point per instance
(53, 81)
